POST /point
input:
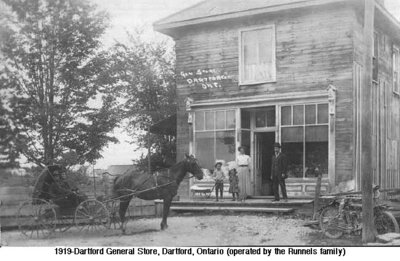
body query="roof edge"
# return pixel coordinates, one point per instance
(160, 21)
(160, 27)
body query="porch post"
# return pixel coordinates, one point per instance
(332, 136)
(368, 231)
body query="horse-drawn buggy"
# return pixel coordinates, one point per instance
(55, 205)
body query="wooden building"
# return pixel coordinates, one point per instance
(262, 71)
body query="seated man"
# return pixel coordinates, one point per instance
(61, 192)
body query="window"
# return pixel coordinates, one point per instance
(265, 117)
(214, 137)
(257, 55)
(396, 66)
(304, 137)
(375, 58)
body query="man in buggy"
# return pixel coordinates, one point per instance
(52, 186)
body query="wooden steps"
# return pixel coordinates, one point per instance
(250, 205)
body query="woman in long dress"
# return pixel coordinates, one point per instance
(243, 162)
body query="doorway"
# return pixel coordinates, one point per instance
(263, 152)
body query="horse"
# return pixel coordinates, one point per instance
(162, 184)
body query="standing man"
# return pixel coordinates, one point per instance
(279, 172)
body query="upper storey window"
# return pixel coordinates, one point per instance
(257, 55)
(396, 67)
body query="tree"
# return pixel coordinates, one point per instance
(146, 73)
(55, 103)
(8, 155)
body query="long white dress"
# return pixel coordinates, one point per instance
(243, 163)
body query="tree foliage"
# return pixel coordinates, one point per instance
(146, 74)
(54, 101)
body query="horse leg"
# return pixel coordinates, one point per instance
(167, 205)
(123, 206)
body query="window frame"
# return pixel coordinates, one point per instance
(215, 129)
(375, 57)
(304, 126)
(241, 54)
(396, 52)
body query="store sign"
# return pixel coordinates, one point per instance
(206, 78)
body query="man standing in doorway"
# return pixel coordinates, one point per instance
(279, 172)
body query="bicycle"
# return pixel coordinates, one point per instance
(344, 216)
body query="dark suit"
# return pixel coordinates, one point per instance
(279, 166)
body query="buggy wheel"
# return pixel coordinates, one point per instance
(64, 223)
(330, 222)
(36, 218)
(92, 215)
(115, 220)
(385, 222)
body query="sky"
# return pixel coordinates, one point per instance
(126, 15)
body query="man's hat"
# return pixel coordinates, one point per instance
(277, 145)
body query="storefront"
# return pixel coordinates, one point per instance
(300, 124)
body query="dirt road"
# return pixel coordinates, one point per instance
(215, 230)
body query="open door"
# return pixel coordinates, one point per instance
(263, 151)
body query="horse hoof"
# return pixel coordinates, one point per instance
(164, 227)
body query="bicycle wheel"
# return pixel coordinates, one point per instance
(385, 222)
(330, 222)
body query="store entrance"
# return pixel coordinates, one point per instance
(263, 152)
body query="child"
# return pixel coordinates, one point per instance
(219, 180)
(234, 184)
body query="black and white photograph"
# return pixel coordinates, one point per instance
(194, 127)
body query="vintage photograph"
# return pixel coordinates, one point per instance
(189, 123)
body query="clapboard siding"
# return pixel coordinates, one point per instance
(314, 48)
(385, 109)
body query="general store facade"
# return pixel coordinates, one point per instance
(251, 73)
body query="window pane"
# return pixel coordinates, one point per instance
(271, 117)
(199, 120)
(265, 46)
(245, 118)
(316, 150)
(261, 119)
(316, 158)
(250, 42)
(230, 120)
(292, 134)
(245, 140)
(294, 153)
(220, 120)
(286, 115)
(298, 115)
(210, 120)
(225, 146)
(317, 133)
(257, 55)
(323, 114)
(204, 144)
(311, 112)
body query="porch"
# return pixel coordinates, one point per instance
(261, 205)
